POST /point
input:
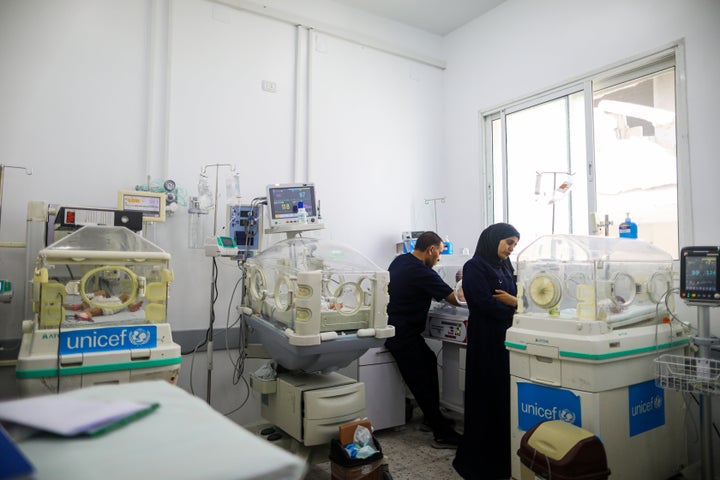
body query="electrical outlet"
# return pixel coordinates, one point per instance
(269, 86)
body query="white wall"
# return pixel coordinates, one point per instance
(328, 16)
(382, 113)
(73, 96)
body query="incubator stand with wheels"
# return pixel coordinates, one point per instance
(316, 306)
(99, 302)
(593, 313)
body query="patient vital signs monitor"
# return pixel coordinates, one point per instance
(699, 281)
(283, 203)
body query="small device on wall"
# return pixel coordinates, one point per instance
(151, 204)
(221, 246)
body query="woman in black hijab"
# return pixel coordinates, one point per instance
(491, 294)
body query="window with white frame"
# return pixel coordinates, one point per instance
(584, 157)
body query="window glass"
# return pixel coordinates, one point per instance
(635, 156)
(544, 180)
(545, 166)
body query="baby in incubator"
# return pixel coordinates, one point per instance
(109, 304)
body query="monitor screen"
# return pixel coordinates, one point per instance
(226, 242)
(283, 200)
(699, 274)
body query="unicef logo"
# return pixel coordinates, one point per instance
(567, 415)
(648, 405)
(139, 336)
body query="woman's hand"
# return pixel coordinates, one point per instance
(504, 297)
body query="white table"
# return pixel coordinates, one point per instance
(183, 439)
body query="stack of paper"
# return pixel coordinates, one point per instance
(68, 416)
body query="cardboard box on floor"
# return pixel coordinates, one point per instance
(347, 430)
(372, 470)
(369, 471)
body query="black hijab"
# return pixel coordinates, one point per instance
(487, 246)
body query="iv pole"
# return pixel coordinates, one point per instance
(434, 201)
(538, 182)
(213, 281)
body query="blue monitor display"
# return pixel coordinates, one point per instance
(283, 200)
(699, 281)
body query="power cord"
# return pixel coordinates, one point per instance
(59, 339)
(715, 427)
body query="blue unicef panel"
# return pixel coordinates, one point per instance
(647, 407)
(108, 339)
(537, 403)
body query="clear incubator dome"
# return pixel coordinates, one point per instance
(617, 280)
(304, 254)
(110, 269)
(312, 285)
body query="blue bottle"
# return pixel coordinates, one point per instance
(301, 213)
(447, 247)
(628, 229)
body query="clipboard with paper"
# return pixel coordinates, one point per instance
(67, 416)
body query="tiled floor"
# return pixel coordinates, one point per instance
(408, 453)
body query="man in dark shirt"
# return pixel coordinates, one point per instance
(413, 286)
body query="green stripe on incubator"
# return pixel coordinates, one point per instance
(519, 346)
(54, 372)
(605, 356)
(623, 353)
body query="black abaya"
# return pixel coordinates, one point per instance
(484, 451)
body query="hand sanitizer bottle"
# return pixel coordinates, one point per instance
(628, 229)
(301, 213)
(447, 247)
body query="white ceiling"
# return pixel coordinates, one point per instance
(435, 16)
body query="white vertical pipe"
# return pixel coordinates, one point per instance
(308, 113)
(37, 217)
(150, 85)
(301, 105)
(158, 82)
(167, 88)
